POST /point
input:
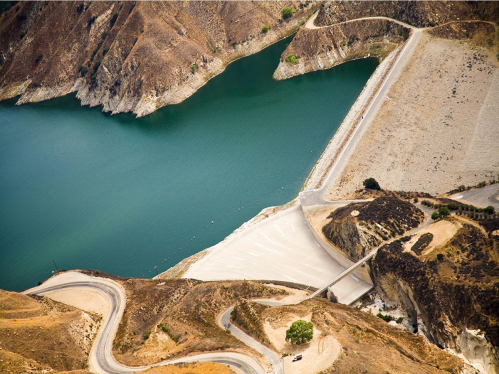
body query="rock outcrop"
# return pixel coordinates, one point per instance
(337, 38)
(324, 48)
(130, 57)
(449, 294)
(359, 227)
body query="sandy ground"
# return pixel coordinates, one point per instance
(437, 127)
(90, 301)
(352, 120)
(318, 355)
(442, 232)
(279, 248)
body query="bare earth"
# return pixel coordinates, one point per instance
(319, 354)
(437, 127)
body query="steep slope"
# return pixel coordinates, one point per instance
(130, 56)
(317, 49)
(359, 227)
(332, 42)
(415, 13)
(448, 290)
(40, 335)
(367, 343)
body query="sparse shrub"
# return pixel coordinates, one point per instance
(371, 184)
(80, 8)
(291, 59)
(265, 29)
(440, 257)
(300, 332)
(104, 35)
(385, 317)
(193, 69)
(399, 320)
(287, 13)
(146, 335)
(416, 199)
(453, 206)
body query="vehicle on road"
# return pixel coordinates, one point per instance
(297, 358)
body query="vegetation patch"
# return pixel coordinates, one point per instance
(287, 13)
(300, 332)
(423, 242)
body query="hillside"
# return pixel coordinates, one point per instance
(365, 343)
(444, 283)
(127, 56)
(359, 227)
(40, 335)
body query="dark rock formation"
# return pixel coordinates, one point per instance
(376, 221)
(449, 293)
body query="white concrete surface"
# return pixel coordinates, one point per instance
(278, 248)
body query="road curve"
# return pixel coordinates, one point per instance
(311, 22)
(275, 361)
(101, 357)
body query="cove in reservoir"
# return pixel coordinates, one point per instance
(123, 195)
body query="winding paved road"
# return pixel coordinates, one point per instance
(101, 357)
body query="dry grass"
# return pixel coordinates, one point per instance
(180, 316)
(37, 334)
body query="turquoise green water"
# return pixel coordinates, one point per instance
(123, 195)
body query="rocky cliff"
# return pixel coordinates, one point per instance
(318, 49)
(127, 56)
(359, 227)
(449, 292)
(330, 41)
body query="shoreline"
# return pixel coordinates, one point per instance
(318, 172)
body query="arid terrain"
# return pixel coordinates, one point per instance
(437, 124)
(435, 305)
(41, 335)
(130, 56)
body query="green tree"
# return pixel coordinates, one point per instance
(300, 332)
(489, 210)
(435, 216)
(287, 12)
(193, 69)
(371, 184)
(443, 211)
(291, 59)
(265, 28)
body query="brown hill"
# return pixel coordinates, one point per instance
(359, 227)
(40, 335)
(129, 56)
(448, 290)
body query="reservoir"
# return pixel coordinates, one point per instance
(123, 195)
